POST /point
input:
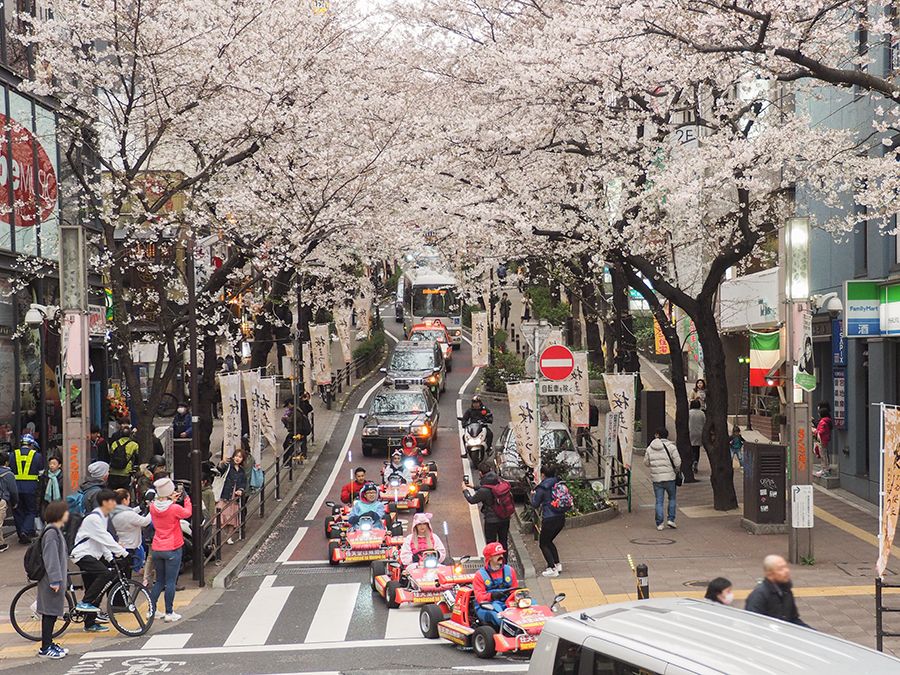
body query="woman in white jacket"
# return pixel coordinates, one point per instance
(130, 526)
(664, 461)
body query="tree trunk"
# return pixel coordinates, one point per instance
(626, 344)
(266, 331)
(203, 407)
(590, 305)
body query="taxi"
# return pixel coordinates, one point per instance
(437, 331)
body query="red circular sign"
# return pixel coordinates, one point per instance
(556, 362)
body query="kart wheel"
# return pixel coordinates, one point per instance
(390, 594)
(457, 346)
(328, 523)
(449, 365)
(378, 568)
(483, 642)
(434, 481)
(367, 450)
(432, 467)
(420, 505)
(334, 532)
(392, 508)
(397, 529)
(429, 618)
(333, 547)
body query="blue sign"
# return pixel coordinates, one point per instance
(838, 343)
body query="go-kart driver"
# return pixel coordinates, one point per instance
(421, 539)
(396, 467)
(478, 412)
(492, 585)
(351, 490)
(368, 505)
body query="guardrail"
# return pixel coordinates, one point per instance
(344, 376)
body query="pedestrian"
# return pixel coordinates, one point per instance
(736, 445)
(497, 505)
(9, 494)
(28, 463)
(822, 446)
(553, 519)
(526, 308)
(774, 596)
(664, 461)
(149, 473)
(51, 598)
(50, 485)
(94, 549)
(99, 446)
(696, 422)
(130, 526)
(698, 393)
(123, 459)
(182, 425)
(168, 541)
(720, 591)
(505, 308)
(233, 488)
(98, 474)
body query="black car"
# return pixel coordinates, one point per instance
(417, 362)
(395, 412)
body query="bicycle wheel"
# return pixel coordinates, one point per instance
(129, 608)
(25, 618)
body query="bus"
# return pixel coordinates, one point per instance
(430, 295)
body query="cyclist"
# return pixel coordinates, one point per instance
(94, 549)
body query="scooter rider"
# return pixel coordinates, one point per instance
(368, 505)
(421, 539)
(492, 585)
(397, 467)
(478, 412)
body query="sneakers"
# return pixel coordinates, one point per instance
(671, 523)
(229, 541)
(159, 615)
(3, 547)
(60, 648)
(51, 652)
(559, 567)
(96, 628)
(661, 527)
(102, 617)
(87, 608)
(172, 618)
(550, 572)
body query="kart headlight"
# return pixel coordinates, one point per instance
(457, 333)
(394, 483)
(457, 570)
(524, 603)
(431, 563)
(413, 489)
(409, 463)
(431, 379)
(365, 527)
(370, 431)
(424, 430)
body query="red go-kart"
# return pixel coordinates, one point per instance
(424, 583)
(368, 541)
(399, 495)
(424, 474)
(336, 520)
(454, 619)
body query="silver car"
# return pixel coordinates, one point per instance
(555, 436)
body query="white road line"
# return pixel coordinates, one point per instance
(403, 623)
(167, 641)
(292, 545)
(259, 617)
(268, 581)
(342, 456)
(498, 668)
(333, 616)
(305, 562)
(252, 649)
(392, 336)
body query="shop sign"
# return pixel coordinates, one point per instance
(838, 343)
(861, 313)
(889, 310)
(27, 177)
(839, 381)
(97, 320)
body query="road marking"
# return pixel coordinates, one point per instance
(259, 617)
(268, 581)
(403, 623)
(332, 618)
(292, 545)
(849, 528)
(305, 562)
(342, 456)
(167, 641)
(580, 592)
(252, 649)
(498, 668)
(392, 336)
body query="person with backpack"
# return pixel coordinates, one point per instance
(665, 464)
(85, 500)
(168, 542)
(552, 497)
(93, 550)
(52, 572)
(9, 494)
(28, 464)
(295, 431)
(497, 505)
(123, 456)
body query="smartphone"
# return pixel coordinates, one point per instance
(466, 480)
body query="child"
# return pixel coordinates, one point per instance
(737, 446)
(50, 488)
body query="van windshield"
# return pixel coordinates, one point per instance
(412, 359)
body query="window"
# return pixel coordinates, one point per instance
(606, 665)
(573, 659)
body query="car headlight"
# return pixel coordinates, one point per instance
(431, 379)
(424, 430)
(370, 431)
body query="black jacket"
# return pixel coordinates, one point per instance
(774, 600)
(485, 497)
(8, 488)
(480, 415)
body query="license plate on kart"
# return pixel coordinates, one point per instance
(361, 557)
(527, 642)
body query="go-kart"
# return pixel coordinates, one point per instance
(424, 474)
(367, 541)
(400, 495)
(454, 619)
(337, 519)
(424, 583)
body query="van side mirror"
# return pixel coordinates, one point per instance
(558, 599)
(382, 370)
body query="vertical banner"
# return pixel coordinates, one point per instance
(610, 442)
(268, 414)
(309, 382)
(363, 308)
(620, 392)
(523, 418)
(805, 368)
(480, 346)
(342, 328)
(890, 484)
(320, 340)
(659, 340)
(580, 403)
(230, 385)
(250, 379)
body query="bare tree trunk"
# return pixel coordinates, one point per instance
(203, 407)
(592, 322)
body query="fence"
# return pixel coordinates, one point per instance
(343, 377)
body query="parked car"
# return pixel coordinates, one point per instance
(417, 363)
(555, 437)
(395, 412)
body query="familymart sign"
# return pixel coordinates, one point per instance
(872, 309)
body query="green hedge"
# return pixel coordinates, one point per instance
(374, 344)
(505, 367)
(544, 307)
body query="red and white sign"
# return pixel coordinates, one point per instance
(33, 184)
(556, 362)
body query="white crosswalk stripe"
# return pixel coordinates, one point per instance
(167, 641)
(403, 623)
(259, 617)
(332, 618)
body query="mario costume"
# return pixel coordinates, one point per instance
(492, 586)
(413, 544)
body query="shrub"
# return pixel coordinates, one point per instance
(373, 345)
(544, 307)
(505, 367)
(500, 338)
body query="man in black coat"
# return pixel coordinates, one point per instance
(774, 597)
(496, 528)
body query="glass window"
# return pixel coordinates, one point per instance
(412, 359)
(568, 658)
(47, 186)
(399, 403)
(22, 179)
(437, 302)
(606, 665)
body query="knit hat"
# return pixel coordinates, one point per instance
(164, 487)
(98, 469)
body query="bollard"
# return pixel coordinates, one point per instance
(643, 582)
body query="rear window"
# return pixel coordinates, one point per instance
(412, 359)
(573, 659)
(436, 335)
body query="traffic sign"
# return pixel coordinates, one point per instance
(557, 388)
(556, 362)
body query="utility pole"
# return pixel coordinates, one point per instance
(196, 470)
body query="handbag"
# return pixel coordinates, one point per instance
(257, 478)
(218, 484)
(679, 477)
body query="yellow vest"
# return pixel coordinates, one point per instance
(23, 465)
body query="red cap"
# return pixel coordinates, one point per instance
(492, 549)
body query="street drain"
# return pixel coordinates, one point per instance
(652, 541)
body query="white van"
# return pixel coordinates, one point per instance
(681, 636)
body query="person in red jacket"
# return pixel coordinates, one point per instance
(351, 490)
(492, 584)
(167, 515)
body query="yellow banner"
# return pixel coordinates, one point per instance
(890, 508)
(662, 347)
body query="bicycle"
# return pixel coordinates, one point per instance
(133, 618)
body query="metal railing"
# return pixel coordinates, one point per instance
(344, 376)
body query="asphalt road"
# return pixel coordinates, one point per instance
(290, 612)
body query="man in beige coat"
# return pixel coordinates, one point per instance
(665, 463)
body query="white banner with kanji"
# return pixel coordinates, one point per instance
(620, 392)
(342, 328)
(320, 339)
(523, 419)
(230, 385)
(363, 307)
(309, 382)
(580, 403)
(266, 391)
(250, 381)
(480, 344)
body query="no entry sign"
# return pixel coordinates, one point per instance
(556, 362)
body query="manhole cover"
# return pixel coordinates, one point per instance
(696, 584)
(856, 569)
(652, 541)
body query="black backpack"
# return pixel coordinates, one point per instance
(34, 559)
(118, 454)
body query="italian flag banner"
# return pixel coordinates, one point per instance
(765, 352)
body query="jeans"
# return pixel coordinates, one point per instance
(497, 531)
(661, 490)
(550, 527)
(740, 457)
(3, 506)
(490, 616)
(167, 564)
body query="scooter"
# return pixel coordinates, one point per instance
(475, 440)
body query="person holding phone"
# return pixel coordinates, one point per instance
(168, 541)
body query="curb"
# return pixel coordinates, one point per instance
(521, 549)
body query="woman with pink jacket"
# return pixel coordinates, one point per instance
(167, 542)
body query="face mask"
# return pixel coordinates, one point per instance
(181, 411)
(727, 598)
